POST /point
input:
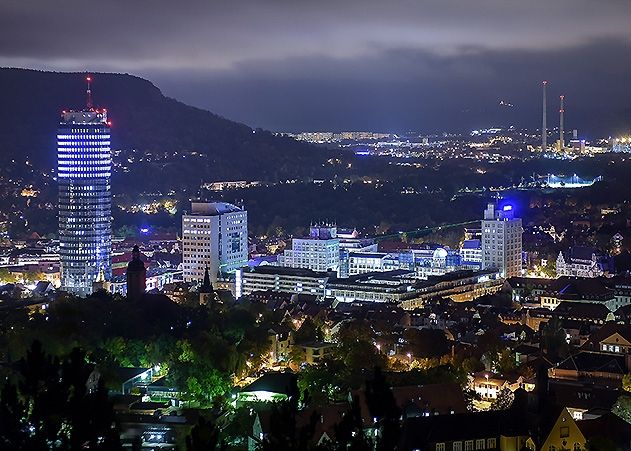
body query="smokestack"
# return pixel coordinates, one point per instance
(574, 134)
(561, 136)
(544, 125)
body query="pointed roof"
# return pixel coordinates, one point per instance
(207, 286)
(136, 263)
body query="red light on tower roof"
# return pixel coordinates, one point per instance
(545, 82)
(88, 78)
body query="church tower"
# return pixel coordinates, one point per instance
(136, 276)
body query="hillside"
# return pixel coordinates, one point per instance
(145, 120)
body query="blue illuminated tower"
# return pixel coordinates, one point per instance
(85, 201)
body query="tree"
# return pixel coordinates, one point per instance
(506, 361)
(426, 343)
(308, 332)
(326, 382)
(504, 400)
(7, 276)
(204, 436)
(383, 408)
(349, 432)
(626, 382)
(553, 339)
(62, 409)
(622, 408)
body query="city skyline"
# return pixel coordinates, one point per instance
(416, 239)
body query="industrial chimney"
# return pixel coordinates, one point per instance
(561, 136)
(544, 125)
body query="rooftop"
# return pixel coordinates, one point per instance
(213, 208)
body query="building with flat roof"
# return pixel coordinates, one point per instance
(320, 251)
(502, 240)
(84, 169)
(278, 278)
(214, 236)
(388, 286)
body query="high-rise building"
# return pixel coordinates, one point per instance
(501, 240)
(214, 235)
(85, 202)
(320, 251)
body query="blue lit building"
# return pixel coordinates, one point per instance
(85, 201)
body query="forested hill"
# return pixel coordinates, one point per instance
(143, 119)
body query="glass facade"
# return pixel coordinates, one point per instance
(85, 202)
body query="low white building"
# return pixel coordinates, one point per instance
(320, 251)
(276, 278)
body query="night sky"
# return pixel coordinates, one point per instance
(388, 65)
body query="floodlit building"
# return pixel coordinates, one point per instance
(85, 201)
(583, 261)
(320, 251)
(276, 278)
(471, 252)
(214, 235)
(501, 240)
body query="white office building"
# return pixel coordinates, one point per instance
(275, 278)
(214, 235)
(501, 240)
(471, 252)
(320, 251)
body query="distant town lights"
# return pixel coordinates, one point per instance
(508, 207)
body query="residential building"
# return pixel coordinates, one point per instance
(501, 240)
(84, 170)
(214, 235)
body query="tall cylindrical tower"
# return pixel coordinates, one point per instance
(85, 201)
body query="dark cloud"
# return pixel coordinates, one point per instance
(404, 64)
(407, 89)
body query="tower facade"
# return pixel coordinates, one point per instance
(501, 240)
(84, 168)
(214, 236)
(136, 276)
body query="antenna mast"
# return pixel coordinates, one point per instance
(88, 92)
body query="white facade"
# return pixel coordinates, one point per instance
(363, 262)
(319, 252)
(214, 235)
(580, 262)
(471, 252)
(274, 278)
(501, 241)
(84, 169)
